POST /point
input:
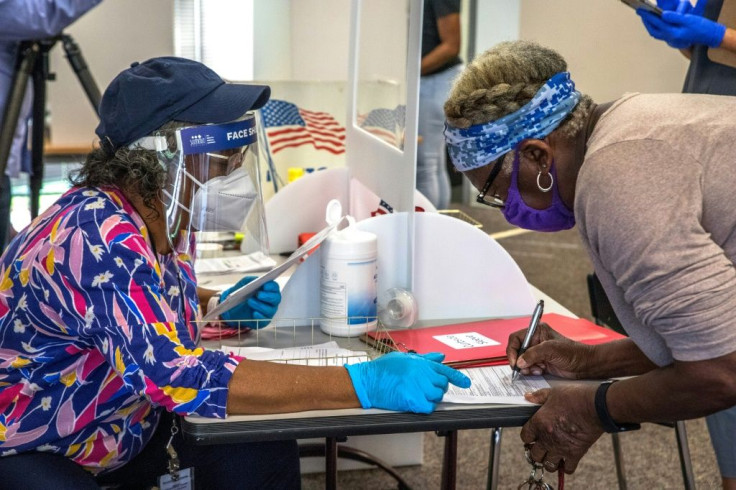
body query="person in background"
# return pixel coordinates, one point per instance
(648, 179)
(100, 307)
(694, 30)
(22, 20)
(441, 63)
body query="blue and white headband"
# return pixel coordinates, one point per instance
(481, 144)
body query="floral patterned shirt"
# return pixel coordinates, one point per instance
(96, 335)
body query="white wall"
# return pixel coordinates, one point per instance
(111, 36)
(272, 40)
(496, 21)
(606, 46)
(319, 35)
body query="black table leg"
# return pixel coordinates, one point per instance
(449, 460)
(331, 463)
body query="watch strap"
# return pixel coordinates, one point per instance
(601, 408)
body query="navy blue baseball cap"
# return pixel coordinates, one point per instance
(147, 95)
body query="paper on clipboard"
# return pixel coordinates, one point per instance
(237, 297)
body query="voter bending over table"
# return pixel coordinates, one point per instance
(649, 180)
(99, 302)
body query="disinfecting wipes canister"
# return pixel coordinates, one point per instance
(348, 283)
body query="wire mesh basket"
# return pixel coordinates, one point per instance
(298, 341)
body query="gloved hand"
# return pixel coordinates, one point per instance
(404, 382)
(260, 306)
(679, 6)
(683, 25)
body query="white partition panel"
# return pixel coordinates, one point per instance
(383, 76)
(460, 272)
(300, 207)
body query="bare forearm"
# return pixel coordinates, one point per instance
(683, 390)
(437, 58)
(259, 387)
(616, 359)
(448, 27)
(204, 296)
(729, 40)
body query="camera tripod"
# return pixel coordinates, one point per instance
(33, 61)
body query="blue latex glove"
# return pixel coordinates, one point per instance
(261, 306)
(404, 382)
(683, 25)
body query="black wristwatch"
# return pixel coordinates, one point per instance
(609, 425)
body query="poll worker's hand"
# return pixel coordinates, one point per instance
(549, 353)
(683, 25)
(680, 6)
(404, 382)
(564, 427)
(261, 306)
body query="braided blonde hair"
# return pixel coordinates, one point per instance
(503, 79)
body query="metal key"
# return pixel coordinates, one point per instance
(174, 464)
(535, 481)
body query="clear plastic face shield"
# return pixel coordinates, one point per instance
(213, 188)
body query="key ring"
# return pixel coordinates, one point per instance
(528, 456)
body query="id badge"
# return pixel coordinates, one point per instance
(184, 482)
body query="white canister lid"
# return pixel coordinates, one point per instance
(351, 243)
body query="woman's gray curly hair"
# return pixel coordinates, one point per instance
(129, 169)
(503, 79)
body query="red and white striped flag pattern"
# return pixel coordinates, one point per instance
(288, 126)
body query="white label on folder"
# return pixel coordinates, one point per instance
(466, 340)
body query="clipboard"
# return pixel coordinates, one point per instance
(647, 5)
(727, 17)
(482, 343)
(245, 292)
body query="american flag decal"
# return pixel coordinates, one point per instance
(386, 124)
(383, 208)
(288, 126)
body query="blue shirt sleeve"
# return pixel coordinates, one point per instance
(34, 19)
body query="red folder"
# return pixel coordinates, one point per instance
(483, 342)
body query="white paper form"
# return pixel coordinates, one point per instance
(492, 384)
(327, 354)
(257, 261)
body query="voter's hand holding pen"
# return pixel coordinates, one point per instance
(549, 353)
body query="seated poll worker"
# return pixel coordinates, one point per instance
(649, 181)
(99, 302)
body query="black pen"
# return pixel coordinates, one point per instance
(529, 334)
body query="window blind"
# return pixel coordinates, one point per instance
(218, 33)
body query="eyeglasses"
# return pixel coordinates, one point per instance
(492, 201)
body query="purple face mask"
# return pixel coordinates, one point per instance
(556, 217)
